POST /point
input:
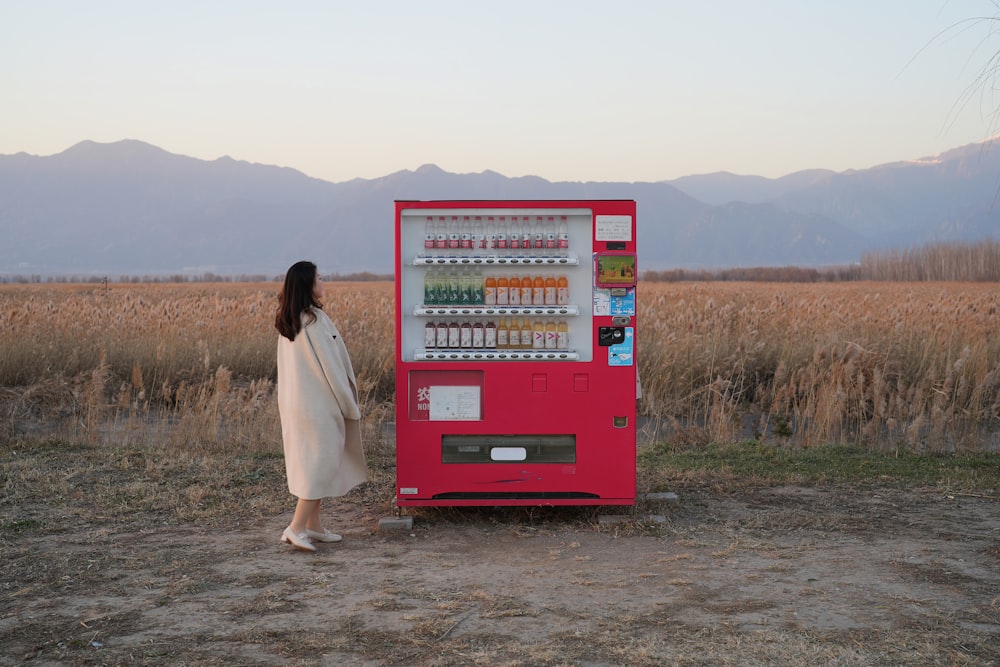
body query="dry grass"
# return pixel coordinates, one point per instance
(889, 366)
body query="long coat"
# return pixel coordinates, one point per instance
(318, 406)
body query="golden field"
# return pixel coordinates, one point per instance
(890, 366)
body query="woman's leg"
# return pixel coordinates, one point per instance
(306, 516)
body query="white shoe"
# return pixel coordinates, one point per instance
(300, 541)
(325, 536)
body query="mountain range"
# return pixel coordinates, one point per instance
(130, 208)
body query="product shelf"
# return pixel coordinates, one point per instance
(496, 260)
(486, 311)
(495, 355)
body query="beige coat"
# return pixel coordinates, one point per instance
(318, 406)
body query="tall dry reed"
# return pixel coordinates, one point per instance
(884, 365)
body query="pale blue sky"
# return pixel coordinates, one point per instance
(579, 90)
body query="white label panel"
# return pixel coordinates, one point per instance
(454, 403)
(613, 228)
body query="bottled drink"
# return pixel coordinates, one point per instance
(430, 288)
(478, 237)
(454, 237)
(562, 336)
(514, 335)
(440, 287)
(526, 334)
(466, 238)
(538, 291)
(503, 291)
(442, 335)
(526, 290)
(550, 236)
(562, 291)
(551, 335)
(478, 296)
(502, 337)
(514, 236)
(490, 292)
(538, 238)
(466, 293)
(491, 236)
(465, 335)
(550, 290)
(430, 235)
(490, 336)
(454, 288)
(563, 240)
(514, 298)
(430, 335)
(441, 238)
(502, 235)
(454, 335)
(538, 336)
(478, 336)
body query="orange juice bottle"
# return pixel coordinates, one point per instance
(490, 293)
(538, 291)
(502, 335)
(526, 334)
(538, 336)
(526, 291)
(514, 298)
(514, 335)
(562, 291)
(550, 290)
(503, 291)
(562, 336)
(550, 335)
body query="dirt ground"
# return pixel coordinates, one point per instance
(786, 575)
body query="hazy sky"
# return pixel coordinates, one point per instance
(563, 89)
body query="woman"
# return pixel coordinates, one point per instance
(318, 406)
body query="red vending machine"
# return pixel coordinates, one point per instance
(515, 352)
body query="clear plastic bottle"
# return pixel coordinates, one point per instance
(454, 335)
(502, 235)
(503, 290)
(550, 290)
(430, 287)
(454, 237)
(478, 287)
(454, 288)
(563, 239)
(478, 336)
(465, 335)
(490, 335)
(502, 335)
(550, 237)
(491, 236)
(526, 334)
(466, 293)
(538, 336)
(430, 335)
(562, 290)
(514, 297)
(562, 336)
(490, 291)
(538, 291)
(514, 334)
(551, 335)
(441, 237)
(442, 335)
(538, 237)
(514, 236)
(430, 236)
(466, 237)
(526, 290)
(478, 237)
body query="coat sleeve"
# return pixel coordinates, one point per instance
(331, 353)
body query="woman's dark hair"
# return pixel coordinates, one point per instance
(296, 299)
